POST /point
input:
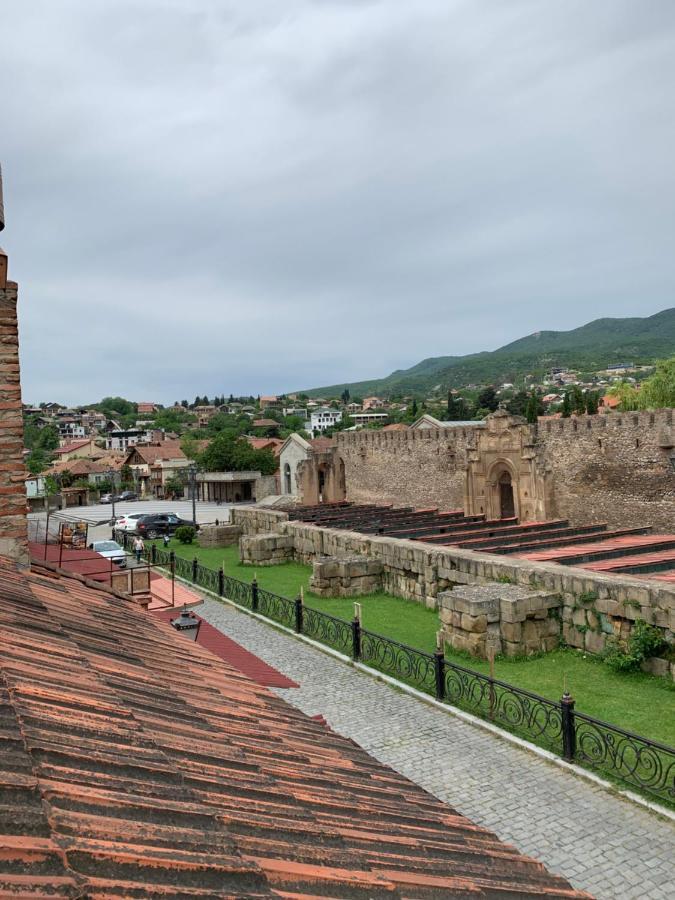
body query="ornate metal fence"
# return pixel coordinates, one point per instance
(403, 662)
(629, 757)
(327, 629)
(555, 725)
(515, 709)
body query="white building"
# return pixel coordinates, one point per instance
(363, 418)
(323, 418)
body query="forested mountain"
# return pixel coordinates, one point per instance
(593, 346)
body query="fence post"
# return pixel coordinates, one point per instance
(172, 561)
(356, 633)
(569, 733)
(221, 582)
(195, 563)
(153, 554)
(254, 595)
(439, 667)
(298, 613)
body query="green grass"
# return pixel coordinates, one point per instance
(637, 702)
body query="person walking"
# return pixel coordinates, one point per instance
(139, 547)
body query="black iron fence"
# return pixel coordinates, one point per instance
(555, 725)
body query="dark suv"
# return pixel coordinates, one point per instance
(151, 526)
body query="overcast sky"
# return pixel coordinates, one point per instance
(210, 196)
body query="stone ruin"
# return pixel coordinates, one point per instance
(506, 618)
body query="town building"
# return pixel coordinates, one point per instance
(77, 449)
(323, 418)
(367, 418)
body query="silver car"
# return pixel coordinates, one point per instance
(110, 550)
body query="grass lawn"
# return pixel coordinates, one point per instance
(637, 702)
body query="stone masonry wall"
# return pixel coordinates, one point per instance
(422, 467)
(219, 535)
(349, 576)
(415, 571)
(13, 535)
(612, 468)
(254, 519)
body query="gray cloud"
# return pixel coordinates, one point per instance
(254, 197)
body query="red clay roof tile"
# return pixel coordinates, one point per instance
(134, 763)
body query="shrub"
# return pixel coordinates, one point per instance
(185, 534)
(645, 640)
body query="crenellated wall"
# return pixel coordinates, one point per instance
(612, 468)
(408, 468)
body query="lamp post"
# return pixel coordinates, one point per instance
(111, 475)
(192, 477)
(187, 624)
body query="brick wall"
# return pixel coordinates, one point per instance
(12, 470)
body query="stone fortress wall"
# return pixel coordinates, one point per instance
(612, 467)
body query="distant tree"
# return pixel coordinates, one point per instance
(457, 409)
(517, 405)
(184, 404)
(488, 399)
(344, 396)
(578, 400)
(658, 391)
(228, 453)
(189, 446)
(566, 409)
(413, 410)
(37, 461)
(175, 486)
(592, 400)
(534, 408)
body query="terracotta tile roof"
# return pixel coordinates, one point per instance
(152, 452)
(75, 445)
(397, 426)
(265, 423)
(322, 443)
(137, 764)
(273, 444)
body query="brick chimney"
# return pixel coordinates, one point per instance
(13, 531)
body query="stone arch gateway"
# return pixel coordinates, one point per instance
(505, 475)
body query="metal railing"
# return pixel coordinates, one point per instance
(556, 725)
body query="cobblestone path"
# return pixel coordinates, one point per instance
(599, 842)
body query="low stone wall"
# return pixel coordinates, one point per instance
(415, 571)
(508, 618)
(350, 576)
(266, 549)
(257, 519)
(219, 535)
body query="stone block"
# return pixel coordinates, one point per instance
(656, 666)
(594, 642)
(474, 623)
(512, 632)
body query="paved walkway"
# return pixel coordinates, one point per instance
(601, 843)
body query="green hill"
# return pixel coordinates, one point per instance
(593, 346)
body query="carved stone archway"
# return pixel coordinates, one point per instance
(507, 445)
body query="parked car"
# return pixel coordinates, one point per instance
(128, 522)
(110, 498)
(128, 495)
(151, 526)
(110, 550)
